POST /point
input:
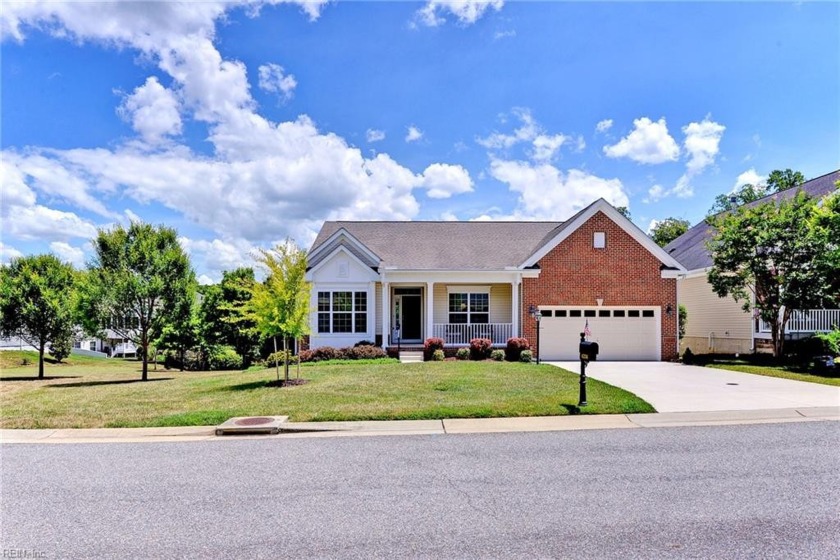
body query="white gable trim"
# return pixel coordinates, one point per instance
(629, 227)
(328, 258)
(338, 233)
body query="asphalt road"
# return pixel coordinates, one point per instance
(759, 491)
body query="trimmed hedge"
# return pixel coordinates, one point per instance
(514, 348)
(324, 353)
(480, 348)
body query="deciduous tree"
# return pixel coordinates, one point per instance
(36, 301)
(668, 229)
(141, 273)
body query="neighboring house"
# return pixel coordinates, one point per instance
(719, 325)
(398, 283)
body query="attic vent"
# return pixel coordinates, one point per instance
(343, 269)
(599, 240)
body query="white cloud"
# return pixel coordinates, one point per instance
(45, 224)
(466, 11)
(604, 125)
(546, 146)
(649, 142)
(274, 79)
(546, 193)
(68, 253)
(543, 146)
(504, 34)
(655, 193)
(7, 253)
(413, 134)
(448, 217)
(205, 280)
(749, 177)
(219, 254)
(153, 111)
(652, 225)
(373, 135)
(702, 142)
(444, 180)
(683, 188)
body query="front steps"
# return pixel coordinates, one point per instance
(411, 357)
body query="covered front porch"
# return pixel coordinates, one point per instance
(454, 311)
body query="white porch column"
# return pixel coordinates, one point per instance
(514, 286)
(386, 313)
(430, 309)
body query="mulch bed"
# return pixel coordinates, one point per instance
(284, 383)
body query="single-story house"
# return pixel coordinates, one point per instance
(720, 325)
(399, 283)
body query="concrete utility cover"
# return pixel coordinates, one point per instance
(671, 387)
(251, 425)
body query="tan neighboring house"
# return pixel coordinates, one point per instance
(719, 325)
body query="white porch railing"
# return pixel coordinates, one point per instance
(124, 349)
(457, 334)
(808, 321)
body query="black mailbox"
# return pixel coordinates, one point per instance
(588, 350)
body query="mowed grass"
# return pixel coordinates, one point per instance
(108, 393)
(777, 371)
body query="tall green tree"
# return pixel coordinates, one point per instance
(181, 330)
(624, 211)
(36, 301)
(140, 273)
(824, 229)
(668, 229)
(778, 180)
(219, 308)
(279, 306)
(764, 257)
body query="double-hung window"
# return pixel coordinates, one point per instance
(342, 312)
(469, 308)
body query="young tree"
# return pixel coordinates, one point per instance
(668, 229)
(764, 257)
(141, 273)
(36, 301)
(279, 306)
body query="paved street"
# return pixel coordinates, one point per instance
(673, 387)
(755, 491)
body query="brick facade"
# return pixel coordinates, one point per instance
(623, 273)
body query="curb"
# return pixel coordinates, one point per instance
(428, 427)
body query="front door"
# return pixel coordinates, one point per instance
(408, 315)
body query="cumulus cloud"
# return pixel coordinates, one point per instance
(414, 134)
(373, 135)
(655, 193)
(702, 143)
(68, 253)
(443, 180)
(263, 181)
(749, 177)
(273, 78)
(467, 12)
(547, 193)
(542, 146)
(649, 142)
(604, 125)
(219, 254)
(7, 253)
(153, 111)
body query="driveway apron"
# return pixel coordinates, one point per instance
(673, 387)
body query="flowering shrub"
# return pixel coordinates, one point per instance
(430, 346)
(514, 348)
(526, 356)
(497, 355)
(480, 348)
(438, 356)
(463, 354)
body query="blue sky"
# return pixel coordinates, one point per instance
(243, 123)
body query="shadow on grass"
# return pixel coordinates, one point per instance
(571, 409)
(45, 378)
(117, 382)
(245, 386)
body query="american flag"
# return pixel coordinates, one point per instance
(586, 332)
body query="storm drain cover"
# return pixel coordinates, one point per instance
(251, 425)
(731, 383)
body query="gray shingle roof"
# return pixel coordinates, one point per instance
(690, 248)
(447, 245)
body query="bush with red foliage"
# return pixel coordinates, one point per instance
(365, 352)
(430, 346)
(514, 348)
(480, 348)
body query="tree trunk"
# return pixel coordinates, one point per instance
(297, 347)
(285, 358)
(145, 350)
(276, 362)
(41, 359)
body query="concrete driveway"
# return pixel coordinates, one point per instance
(673, 387)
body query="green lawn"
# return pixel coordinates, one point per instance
(777, 371)
(106, 393)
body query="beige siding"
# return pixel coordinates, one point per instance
(501, 299)
(378, 307)
(714, 324)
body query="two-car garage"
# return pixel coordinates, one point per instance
(622, 333)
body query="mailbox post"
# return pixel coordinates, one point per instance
(588, 351)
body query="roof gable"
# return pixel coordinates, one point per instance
(600, 205)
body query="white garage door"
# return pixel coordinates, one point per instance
(622, 333)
